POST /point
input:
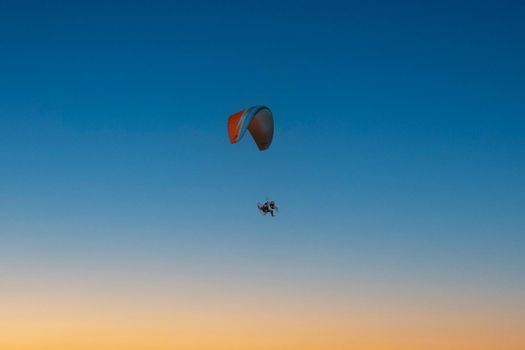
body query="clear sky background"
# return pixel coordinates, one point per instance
(128, 221)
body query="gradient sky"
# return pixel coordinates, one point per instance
(128, 221)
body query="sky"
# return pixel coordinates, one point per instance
(128, 221)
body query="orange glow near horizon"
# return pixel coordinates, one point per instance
(228, 319)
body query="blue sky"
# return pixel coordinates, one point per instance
(399, 146)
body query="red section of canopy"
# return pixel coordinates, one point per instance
(234, 127)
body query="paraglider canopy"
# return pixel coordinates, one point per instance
(258, 120)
